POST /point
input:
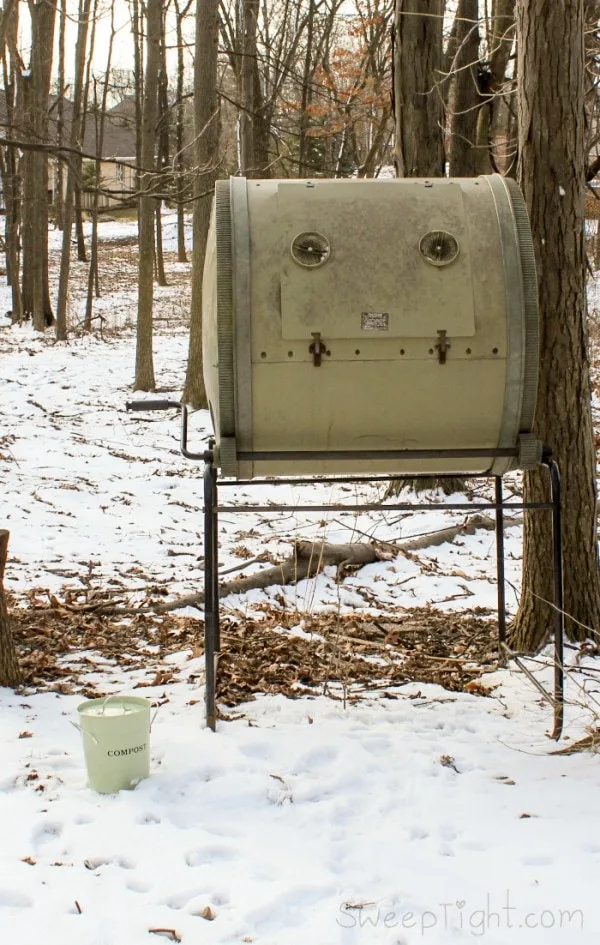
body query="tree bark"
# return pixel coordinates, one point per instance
(248, 110)
(419, 113)
(60, 111)
(9, 667)
(552, 176)
(137, 28)
(11, 177)
(501, 41)
(179, 160)
(206, 131)
(162, 159)
(419, 107)
(144, 360)
(93, 273)
(465, 99)
(75, 142)
(35, 88)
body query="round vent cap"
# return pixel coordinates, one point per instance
(439, 248)
(310, 250)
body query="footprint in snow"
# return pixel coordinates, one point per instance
(12, 899)
(207, 855)
(378, 745)
(316, 758)
(537, 861)
(46, 832)
(138, 886)
(147, 819)
(82, 819)
(181, 899)
(590, 848)
(289, 909)
(95, 862)
(263, 751)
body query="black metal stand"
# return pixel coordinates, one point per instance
(211, 545)
(211, 605)
(212, 636)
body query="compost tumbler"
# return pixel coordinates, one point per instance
(366, 317)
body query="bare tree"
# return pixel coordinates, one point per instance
(251, 92)
(100, 119)
(72, 172)
(9, 160)
(206, 131)
(162, 156)
(78, 205)
(179, 160)
(493, 83)
(32, 104)
(9, 667)
(144, 359)
(465, 98)
(552, 175)
(59, 181)
(419, 110)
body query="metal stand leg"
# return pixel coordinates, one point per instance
(215, 585)
(559, 611)
(500, 572)
(211, 599)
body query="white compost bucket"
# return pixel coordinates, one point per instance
(116, 741)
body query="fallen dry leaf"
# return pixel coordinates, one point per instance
(58, 648)
(171, 934)
(447, 761)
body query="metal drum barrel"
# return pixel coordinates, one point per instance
(349, 322)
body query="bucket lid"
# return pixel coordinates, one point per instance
(114, 705)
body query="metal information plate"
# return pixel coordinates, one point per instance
(375, 321)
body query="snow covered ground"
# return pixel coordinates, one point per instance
(426, 819)
(426, 816)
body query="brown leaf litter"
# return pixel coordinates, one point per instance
(60, 644)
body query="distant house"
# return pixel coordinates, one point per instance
(117, 180)
(117, 167)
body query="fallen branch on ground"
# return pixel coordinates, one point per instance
(309, 559)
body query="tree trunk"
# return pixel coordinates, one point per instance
(78, 205)
(552, 176)
(419, 112)
(75, 142)
(78, 214)
(93, 275)
(99, 135)
(179, 134)
(206, 128)
(501, 42)
(11, 177)
(159, 256)
(35, 89)
(419, 107)
(58, 190)
(306, 95)
(9, 667)
(248, 164)
(144, 359)
(163, 153)
(465, 100)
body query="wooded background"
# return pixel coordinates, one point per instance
(315, 88)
